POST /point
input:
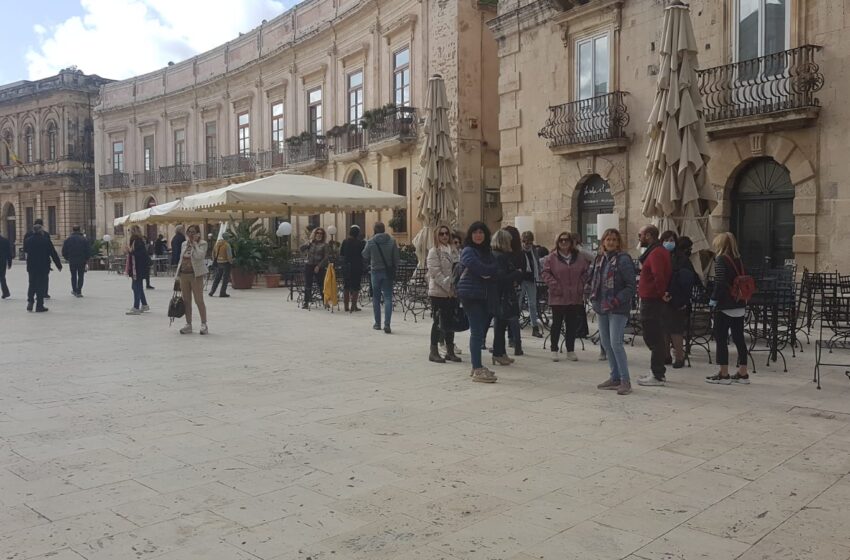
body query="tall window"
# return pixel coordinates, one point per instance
(401, 77)
(6, 148)
(29, 217)
(244, 134)
(51, 220)
(593, 67)
(210, 143)
(355, 97)
(147, 153)
(180, 146)
(400, 188)
(314, 111)
(118, 158)
(51, 141)
(29, 138)
(117, 212)
(763, 27)
(277, 127)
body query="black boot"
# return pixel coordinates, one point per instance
(450, 354)
(535, 332)
(434, 356)
(518, 348)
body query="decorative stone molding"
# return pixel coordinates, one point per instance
(355, 53)
(407, 21)
(243, 102)
(278, 89)
(315, 74)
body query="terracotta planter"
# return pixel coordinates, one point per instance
(242, 279)
(272, 280)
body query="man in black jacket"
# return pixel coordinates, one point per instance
(27, 235)
(177, 245)
(5, 264)
(40, 252)
(76, 251)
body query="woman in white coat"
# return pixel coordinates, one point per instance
(191, 271)
(441, 260)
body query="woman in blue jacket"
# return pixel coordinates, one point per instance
(478, 269)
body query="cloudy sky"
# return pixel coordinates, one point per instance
(119, 38)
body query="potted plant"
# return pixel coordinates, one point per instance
(397, 223)
(250, 253)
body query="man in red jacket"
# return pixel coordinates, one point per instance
(655, 271)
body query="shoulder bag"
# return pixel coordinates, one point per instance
(389, 269)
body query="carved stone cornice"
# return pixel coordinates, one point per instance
(355, 52)
(315, 73)
(405, 22)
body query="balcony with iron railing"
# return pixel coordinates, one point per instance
(209, 170)
(270, 159)
(595, 125)
(238, 164)
(771, 92)
(305, 152)
(114, 180)
(145, 178)
(390, 127)
(349, 142)
(181, 173)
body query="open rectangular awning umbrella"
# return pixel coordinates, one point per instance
(170, 213)
(300, 194)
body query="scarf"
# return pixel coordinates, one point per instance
(601, 288)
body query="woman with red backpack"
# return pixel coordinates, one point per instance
(729, 302)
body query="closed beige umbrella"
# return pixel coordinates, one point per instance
(678, 195)
(438, 198)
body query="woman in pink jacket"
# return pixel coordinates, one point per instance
(565, 273)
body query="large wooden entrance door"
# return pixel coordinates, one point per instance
(595, 198)
(763, 214)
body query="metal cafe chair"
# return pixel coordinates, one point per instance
(834, 334)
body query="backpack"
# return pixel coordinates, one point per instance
(743, 286)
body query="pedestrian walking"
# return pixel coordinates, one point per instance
(612, 290)
(40, 251)
(6, 254)
(137, 268)
(655, 273)
(678, 297)
(475, 284)
(177, 245)
(352, 268)
(30, 233)
(383, 255)
(76, 250)
(441, 261)
(505, 306)
(191, 273)
(729, 312)
(316, 253)
(159, 246)
(530, 278)
(518, 261)
(565, 274)
(149, 248)
(222, 261)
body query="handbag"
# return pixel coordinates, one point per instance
(459, 320)
(176, 307)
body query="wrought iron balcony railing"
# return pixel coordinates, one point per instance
(114, 180)
(270, 159)
(238, 164)
(209, 170)
(309, 148)
(145, 178)
(597, 119)
(399, 122)
(352, 140)
(175, 174)
(777, 82)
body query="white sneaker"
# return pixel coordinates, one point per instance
(650, 381)
(571, 356)
(204, 329)
(146, 308)
(134, 311)
(187, 329)
(555, 356)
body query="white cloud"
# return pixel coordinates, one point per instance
(122, 38)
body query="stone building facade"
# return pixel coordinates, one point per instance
(47, 154)
(573, 138)
(333, 88)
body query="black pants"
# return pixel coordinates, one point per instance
(3, 285)
(442, 307)
(722, 325)
(571, 317)
(500, 327)
(37, 287)
(222, 275)
(653, 314)
(309, 278)
(78, 271)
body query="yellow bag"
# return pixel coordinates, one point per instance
(329, 289)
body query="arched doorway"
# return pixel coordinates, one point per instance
(9, 223)
(150, 229)
(594, 198)
(763, 213)
(356, 218)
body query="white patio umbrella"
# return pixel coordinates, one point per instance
(169, 213)
(438, 197)
(678, 195)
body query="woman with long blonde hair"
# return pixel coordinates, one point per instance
(441, 260)
(729, 313)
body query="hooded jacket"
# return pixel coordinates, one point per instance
(389, 248)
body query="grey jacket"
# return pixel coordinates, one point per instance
(389, 248)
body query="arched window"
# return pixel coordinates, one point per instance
(6, 148)
(51, 141)
(595, 198)
(29, 138)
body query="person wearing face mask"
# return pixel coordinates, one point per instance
(678, 296)
(191, 271)
(655, 272)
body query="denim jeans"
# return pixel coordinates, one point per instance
(611, 329)
(139, 293)
(78, 272)
(381, 284)
(528, 290)
(479, 318)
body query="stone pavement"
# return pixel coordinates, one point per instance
(289, 434)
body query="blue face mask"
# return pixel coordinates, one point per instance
(669, 245)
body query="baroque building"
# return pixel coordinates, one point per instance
(573, 130)
(333, 88)
(47, 154)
